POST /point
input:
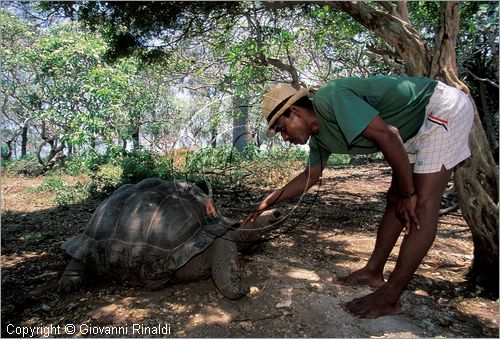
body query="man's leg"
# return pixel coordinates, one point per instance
(384, 301)
(388, 233)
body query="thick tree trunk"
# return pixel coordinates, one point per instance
(488, 123)
(477, 180)
(241, 131)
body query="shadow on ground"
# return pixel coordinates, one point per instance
(331, 231)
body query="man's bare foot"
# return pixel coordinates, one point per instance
(371, 306)
(361, 277)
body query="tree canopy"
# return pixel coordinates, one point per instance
(114, 77)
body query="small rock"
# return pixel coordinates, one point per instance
(247, 325)
(442, 301)
(421, 293)
(284, 304)
(46, 307)
(254, 291)
(315, 285)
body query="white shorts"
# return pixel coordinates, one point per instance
(443, 138)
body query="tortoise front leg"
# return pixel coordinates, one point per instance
(72, 277)
(226, 269)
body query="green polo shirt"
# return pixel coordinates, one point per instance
(345, 107)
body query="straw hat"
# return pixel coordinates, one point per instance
(278, 100)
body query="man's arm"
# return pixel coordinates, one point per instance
(295, 187)
(390, 143)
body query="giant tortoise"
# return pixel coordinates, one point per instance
(157, 232)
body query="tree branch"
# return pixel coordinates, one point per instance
(393, 30)
(482, 79)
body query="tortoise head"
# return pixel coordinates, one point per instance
(253, 232)
(272, 218)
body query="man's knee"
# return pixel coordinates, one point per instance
(427, 207)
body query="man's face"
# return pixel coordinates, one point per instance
(293, 128)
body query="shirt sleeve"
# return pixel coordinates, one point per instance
(317, 154)
(353, 114)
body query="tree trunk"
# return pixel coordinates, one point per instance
(213, 137)
(241, 131)
(24, 141)
(56, 155)
(135, 139)
(488, 123)
(477, 179)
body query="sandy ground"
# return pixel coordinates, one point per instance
(290, 275)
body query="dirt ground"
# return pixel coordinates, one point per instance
(290, 275)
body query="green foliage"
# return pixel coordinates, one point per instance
(51, 184)
(61, 75)
(64, 194)
(76, 164)
(107, 178)
(110, 172)
(138, 165)
(218, 158)
(338, 160)
(25, 166)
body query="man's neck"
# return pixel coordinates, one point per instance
(313, 123)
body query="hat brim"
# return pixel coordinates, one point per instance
(300, 94)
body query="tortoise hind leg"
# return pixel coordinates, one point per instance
(226, 269)
(72, 277)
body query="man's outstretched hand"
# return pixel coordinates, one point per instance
(252, 216)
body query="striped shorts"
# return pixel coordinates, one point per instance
(443, 138)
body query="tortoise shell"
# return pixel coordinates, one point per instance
(148, 230)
